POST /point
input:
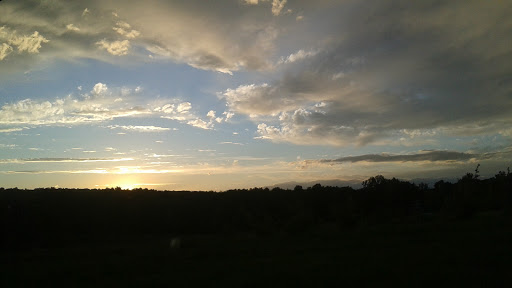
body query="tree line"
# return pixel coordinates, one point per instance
(51, 216)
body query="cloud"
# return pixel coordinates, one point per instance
(5, 50)
(62, 160)
(200, 124)
(30, 43)
(24, 43)
(117, 48)
(397, 66)
(99, 88)
(183, 112)
(277, 6)
(297, 56)
(259, 99)
(68, 110)
(75, 35)
(389, 74)
(176, 111)
(178, 30)
(123, 29)
(184, 107)
(430, 156)
(102, 104)
(235, 143)
(140, 128)
(72, 27)
(10, 130)
(225, 37)
(10, 146)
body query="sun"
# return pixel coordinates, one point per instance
(128, 186)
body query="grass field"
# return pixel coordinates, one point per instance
(474, 253)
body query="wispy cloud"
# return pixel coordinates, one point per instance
(297, 56)
(184, 113)
(430, 156)
(10, 130)
(124, 29)
(87, 108)
(102, 104)
(426, 156)
(232, 143)
(140, 128)
(72, 27)
(62, 160)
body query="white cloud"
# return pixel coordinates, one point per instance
(140, 128)
(297, 56)
(200, 124)
(99, 89)
(35, 149)
(228, 115)
(5, 50)
(262, 99)
(62, 160)
(30, 44)
(211, 114)
(67, 110)
(9, 130)
(184, 107)
(123, 29)
(72, 27)
(183, 113)
(117, 48)
(277, 6)
(24, 43)
(86, 11)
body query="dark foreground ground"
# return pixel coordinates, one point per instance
(476, 252)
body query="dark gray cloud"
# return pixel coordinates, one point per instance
(426, 155)
(394, 65)
(431, 156)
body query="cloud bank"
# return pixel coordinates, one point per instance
(224, 37)
(388, 67)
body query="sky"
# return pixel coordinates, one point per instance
(215, 95)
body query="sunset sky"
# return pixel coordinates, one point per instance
(213, 95)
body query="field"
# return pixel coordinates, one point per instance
(474, 252)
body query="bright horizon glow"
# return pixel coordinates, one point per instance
(179, 95)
